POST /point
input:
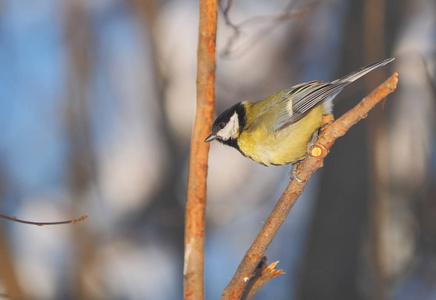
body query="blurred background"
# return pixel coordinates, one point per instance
(97, 100)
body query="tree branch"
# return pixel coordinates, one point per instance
(262, 275)
(329, 133)
(15, 219)
(196, 198)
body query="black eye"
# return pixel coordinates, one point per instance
(221, 125)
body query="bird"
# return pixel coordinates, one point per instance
(279, 129)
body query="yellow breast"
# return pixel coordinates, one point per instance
(284, 146)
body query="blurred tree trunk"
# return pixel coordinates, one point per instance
(165, 204)
(378, 223)
(81, 161)
(331, 264)
(165, 210)
(8, 273)
(165, 201)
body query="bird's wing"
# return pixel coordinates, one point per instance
(303, 97)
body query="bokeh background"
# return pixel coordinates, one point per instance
(97, 100)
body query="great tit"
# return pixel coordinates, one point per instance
(278, 129)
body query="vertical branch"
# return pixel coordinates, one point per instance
(196, 196)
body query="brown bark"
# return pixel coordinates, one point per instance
(196, 196)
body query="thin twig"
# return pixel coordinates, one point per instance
(15, 219)
(268, 23)
(263, 274)
(329, 133)
(196, 197)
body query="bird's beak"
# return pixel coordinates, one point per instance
(210, 138)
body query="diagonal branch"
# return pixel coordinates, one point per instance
(329, 133)
(196, 199)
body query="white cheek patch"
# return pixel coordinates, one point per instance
(231, 128)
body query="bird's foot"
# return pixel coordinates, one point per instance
(293, 173)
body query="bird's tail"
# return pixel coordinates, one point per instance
(362, 71)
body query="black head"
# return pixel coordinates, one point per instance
(228, 125)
